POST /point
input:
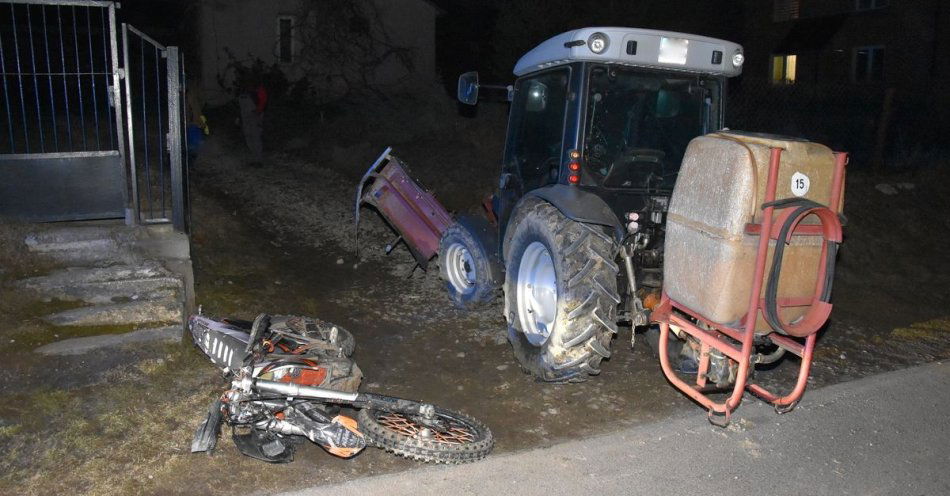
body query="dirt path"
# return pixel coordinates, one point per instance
(411, 342)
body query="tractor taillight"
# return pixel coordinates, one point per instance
(575, 167)
(632, 224)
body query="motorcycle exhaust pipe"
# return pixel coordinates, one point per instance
(359, 400)
(297, 390)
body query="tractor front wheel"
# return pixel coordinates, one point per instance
(466, 264)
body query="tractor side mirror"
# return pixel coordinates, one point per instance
(468, 88)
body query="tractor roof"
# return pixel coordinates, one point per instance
(636, 47)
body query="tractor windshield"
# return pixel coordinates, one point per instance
(639, 123)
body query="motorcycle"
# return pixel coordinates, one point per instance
(290, 377)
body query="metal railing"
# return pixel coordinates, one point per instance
(60, 77)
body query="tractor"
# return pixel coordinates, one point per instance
(599, 122)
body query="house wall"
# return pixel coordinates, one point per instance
(913, 32)
(248, 29)
(902, 116)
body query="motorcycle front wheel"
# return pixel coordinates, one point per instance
(463, 439)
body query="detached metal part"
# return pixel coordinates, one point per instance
(412, 211)
(206, 437)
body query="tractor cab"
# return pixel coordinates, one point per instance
(608, 111)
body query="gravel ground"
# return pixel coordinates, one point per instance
(279, 239)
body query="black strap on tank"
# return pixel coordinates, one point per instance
(801, 206)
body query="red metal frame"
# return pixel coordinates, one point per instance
(738, 343)
(414, 212)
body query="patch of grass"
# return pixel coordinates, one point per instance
(108, 438)
(935, 329)
(51, 334)
(8, 431)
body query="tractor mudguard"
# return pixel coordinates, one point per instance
(487, 235)
(580, 206)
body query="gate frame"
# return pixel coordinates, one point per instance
(174, 142)
(173, 139)
(117, 103)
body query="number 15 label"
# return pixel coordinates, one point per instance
(800, 184)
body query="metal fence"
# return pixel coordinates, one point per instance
(84, 132)
(59, 69)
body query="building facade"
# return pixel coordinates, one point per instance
(890, 43)
(273, 32)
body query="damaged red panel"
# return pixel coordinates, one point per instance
(411, 210)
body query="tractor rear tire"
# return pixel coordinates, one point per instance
(570, 347)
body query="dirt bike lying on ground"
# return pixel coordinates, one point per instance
(289, 378)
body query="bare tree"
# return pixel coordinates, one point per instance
(343, 44)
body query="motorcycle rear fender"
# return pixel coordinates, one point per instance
(223, 343)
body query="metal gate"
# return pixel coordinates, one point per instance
(154, 76)
(62, 156)
(84, 132)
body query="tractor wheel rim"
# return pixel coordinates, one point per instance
(537, 293)
(460, 268)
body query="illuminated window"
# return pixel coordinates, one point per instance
(868, 65)
(285, 39)
(784, 69)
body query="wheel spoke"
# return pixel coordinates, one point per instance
(406, 426)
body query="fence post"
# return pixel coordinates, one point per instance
(173, 141)
(118, 107)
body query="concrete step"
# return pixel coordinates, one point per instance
(135, 312)
(77, 346)
(85, 244)
(116, 291)
(80, 275)
(107, 284)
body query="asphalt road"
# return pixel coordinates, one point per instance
(886, 434)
